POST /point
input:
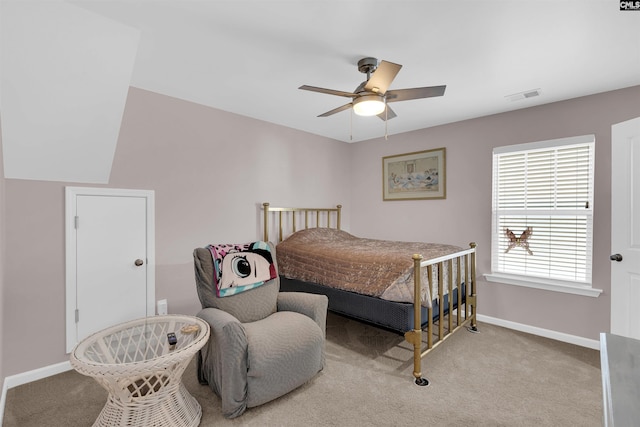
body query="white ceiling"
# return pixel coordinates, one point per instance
(250, 56)
(67, 65)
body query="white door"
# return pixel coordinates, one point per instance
(109, 265)
(625, 228)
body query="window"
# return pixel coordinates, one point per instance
(542, 214)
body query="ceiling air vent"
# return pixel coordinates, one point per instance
(523, 95)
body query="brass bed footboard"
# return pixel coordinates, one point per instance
(456, 290)
(450, 318)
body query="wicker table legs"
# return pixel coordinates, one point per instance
(177, 408)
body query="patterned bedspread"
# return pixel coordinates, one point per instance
(378, 268)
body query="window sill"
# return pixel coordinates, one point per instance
(545, 284)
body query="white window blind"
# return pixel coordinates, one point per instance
(542, 219)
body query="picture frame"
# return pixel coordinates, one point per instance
(414, 176)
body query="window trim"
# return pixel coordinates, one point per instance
(556, 285)
(545, 284)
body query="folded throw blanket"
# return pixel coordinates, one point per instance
(241, 267)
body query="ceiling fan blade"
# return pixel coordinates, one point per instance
(336, 110)
(387, 115)
(415, 93)
(383, 76)
(328, 91)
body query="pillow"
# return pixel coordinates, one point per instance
(241, 267)
(245, 306)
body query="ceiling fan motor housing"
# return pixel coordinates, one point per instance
(367, 66)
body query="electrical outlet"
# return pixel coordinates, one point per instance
(162, 307)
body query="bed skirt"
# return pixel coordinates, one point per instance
(394, 316)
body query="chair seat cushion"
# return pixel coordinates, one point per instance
(284, 351)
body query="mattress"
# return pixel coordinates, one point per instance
(377, 268)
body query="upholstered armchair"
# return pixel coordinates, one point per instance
(263, 343)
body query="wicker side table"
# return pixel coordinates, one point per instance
(142, 372)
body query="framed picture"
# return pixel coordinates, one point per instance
(414, 176)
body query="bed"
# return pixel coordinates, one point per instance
(421, 290)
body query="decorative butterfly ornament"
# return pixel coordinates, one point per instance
(522, 241)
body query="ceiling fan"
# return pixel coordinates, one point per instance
(371, 97)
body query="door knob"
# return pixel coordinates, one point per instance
(139, 262)
(616, 257)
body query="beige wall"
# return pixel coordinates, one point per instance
(211, 169)
(465, 215)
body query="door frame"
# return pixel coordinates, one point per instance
(71, 195)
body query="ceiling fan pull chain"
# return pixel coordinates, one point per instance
(351, 126)
(386, 121)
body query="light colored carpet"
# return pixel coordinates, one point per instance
(497, 377)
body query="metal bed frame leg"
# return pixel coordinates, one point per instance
(415, 336)
(471, 298)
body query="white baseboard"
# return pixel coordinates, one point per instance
(547, 333)
(27, 377)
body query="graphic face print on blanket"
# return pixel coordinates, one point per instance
(241, 267)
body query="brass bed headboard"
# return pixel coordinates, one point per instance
(311, 216)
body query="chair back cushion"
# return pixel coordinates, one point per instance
(247, 306)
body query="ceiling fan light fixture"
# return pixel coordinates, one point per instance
(368, 105)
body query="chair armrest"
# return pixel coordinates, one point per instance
(311, 305)
(223, 361)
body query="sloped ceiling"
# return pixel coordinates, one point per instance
(65, 76)
(250, 56)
